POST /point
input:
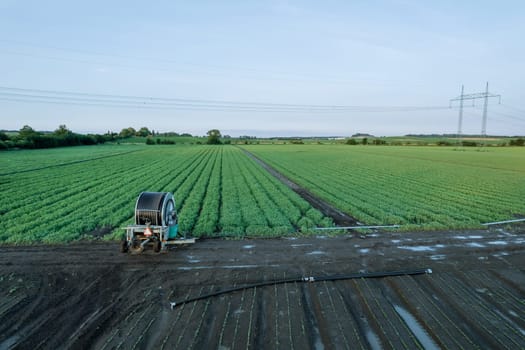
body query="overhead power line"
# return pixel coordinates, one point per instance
(123, 101)
(516, 109)
(507, 115)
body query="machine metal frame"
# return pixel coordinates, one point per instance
(156, 223)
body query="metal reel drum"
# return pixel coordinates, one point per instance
(154, 208)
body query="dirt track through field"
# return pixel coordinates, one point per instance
(87, 295)
(339, 218)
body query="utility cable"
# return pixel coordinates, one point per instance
(89, 99)
(516, 109)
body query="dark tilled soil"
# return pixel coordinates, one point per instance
(88, 295)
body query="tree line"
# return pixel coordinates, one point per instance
(29, 138)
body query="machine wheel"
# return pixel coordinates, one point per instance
(136, 247)
(156, 246)
(123, 246)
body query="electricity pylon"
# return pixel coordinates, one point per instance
(485, 95)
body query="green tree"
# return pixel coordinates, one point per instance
(379, 142)
(62, 131)
(127, 132)
(214, 137)
(27, 133)
(3, 136)
(143, 132)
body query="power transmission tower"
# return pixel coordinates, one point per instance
(485, 95)
(460, 121)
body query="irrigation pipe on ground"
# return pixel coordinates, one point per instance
(355, 227)
(502, 222)
(398, 226)
(174, 304)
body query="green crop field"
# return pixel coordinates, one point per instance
(418, 187)
(24, 160)
(68, 193)
(65, 194)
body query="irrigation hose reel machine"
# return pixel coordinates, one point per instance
(156, 224)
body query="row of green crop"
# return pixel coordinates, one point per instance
(231, 195)
(105, 198)
(189, 213)
(218, 191)
(28, 160)
(285, 208)
(208, 215)
(409, 186)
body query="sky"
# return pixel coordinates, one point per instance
(262, 68)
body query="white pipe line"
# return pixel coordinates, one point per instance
(502, 222)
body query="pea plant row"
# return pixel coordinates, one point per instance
(417, 187)
(219, 191)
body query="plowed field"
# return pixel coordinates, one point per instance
(87, 295)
